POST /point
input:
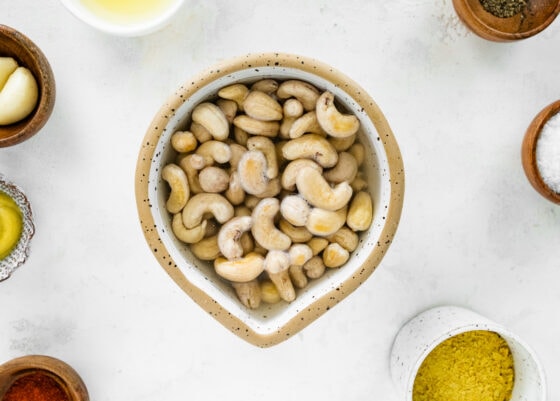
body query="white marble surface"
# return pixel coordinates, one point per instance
(473, 232)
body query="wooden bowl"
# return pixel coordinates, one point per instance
(528, 152)
(60, 371)
(536, 16)
(269, 324)
(27, 54)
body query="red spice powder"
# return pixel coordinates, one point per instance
(35, 386)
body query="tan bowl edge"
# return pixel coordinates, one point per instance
(326, 302)
(528, 149)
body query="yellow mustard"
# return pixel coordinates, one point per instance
(11, 224)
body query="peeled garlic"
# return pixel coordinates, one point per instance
(19, 92)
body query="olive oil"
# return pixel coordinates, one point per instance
(127, 11)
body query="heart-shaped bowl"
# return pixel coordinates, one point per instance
(382, 170)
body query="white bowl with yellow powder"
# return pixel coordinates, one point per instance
(124, 17)
(451, 353)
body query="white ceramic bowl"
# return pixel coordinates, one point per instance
(417, 338)
(119, 26)
(269, 324)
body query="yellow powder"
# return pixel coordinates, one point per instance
(472, 366)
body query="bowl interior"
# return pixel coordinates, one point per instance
(120, 24)
(265, 324)
(529, 381)
(27, 54)
(535, 17)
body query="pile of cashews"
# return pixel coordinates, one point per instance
(19, 92)
(267, 184)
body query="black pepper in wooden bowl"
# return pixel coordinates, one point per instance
(503, 8)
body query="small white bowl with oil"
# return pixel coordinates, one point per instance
(124, 17)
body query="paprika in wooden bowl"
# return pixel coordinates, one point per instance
(40, 378)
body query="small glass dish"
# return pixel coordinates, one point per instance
(20, 253)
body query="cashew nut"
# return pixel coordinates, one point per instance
(306, 124)
(311, 146)
(269, 292)
(293, 168)
(206, 249)
(335, 255)
(314, 267)
(18, 94)
(360, 212)
(346, 238)
(179, 184)
(272, 189)
(266, 85)
(293, 109)
(201, 134)
(235, 92)
(190, 164)
(203, 203)
(306, 93)
(188, 236)
(264, 231)
(213, 119)
(266, 146)
(359, 152)
(214, 152)
(325, 222)
(7, 66)
(343, 144)
(299, 255)
(213, 179)
(345, 170)
(263, 107)
(316, 190)
(296, 234)
(248, 293)
(240, 136)
(359, 183)
(237, 151)
(235, 193)
(295, 210)
(256, 127)
(252, 169)
(183, 141)
(317, 244)
(228, 107)
(240, 270)
(333, 121)
(276, 264)
(230, 235)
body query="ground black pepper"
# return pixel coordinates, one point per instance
(504, 8)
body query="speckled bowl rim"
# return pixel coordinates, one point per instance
(63, 373)
(320, 305)
(20, 253)
(478, 26)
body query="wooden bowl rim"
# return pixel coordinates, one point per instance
(33, 123)
(528, 150)
(65, 374)
(482, 29)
